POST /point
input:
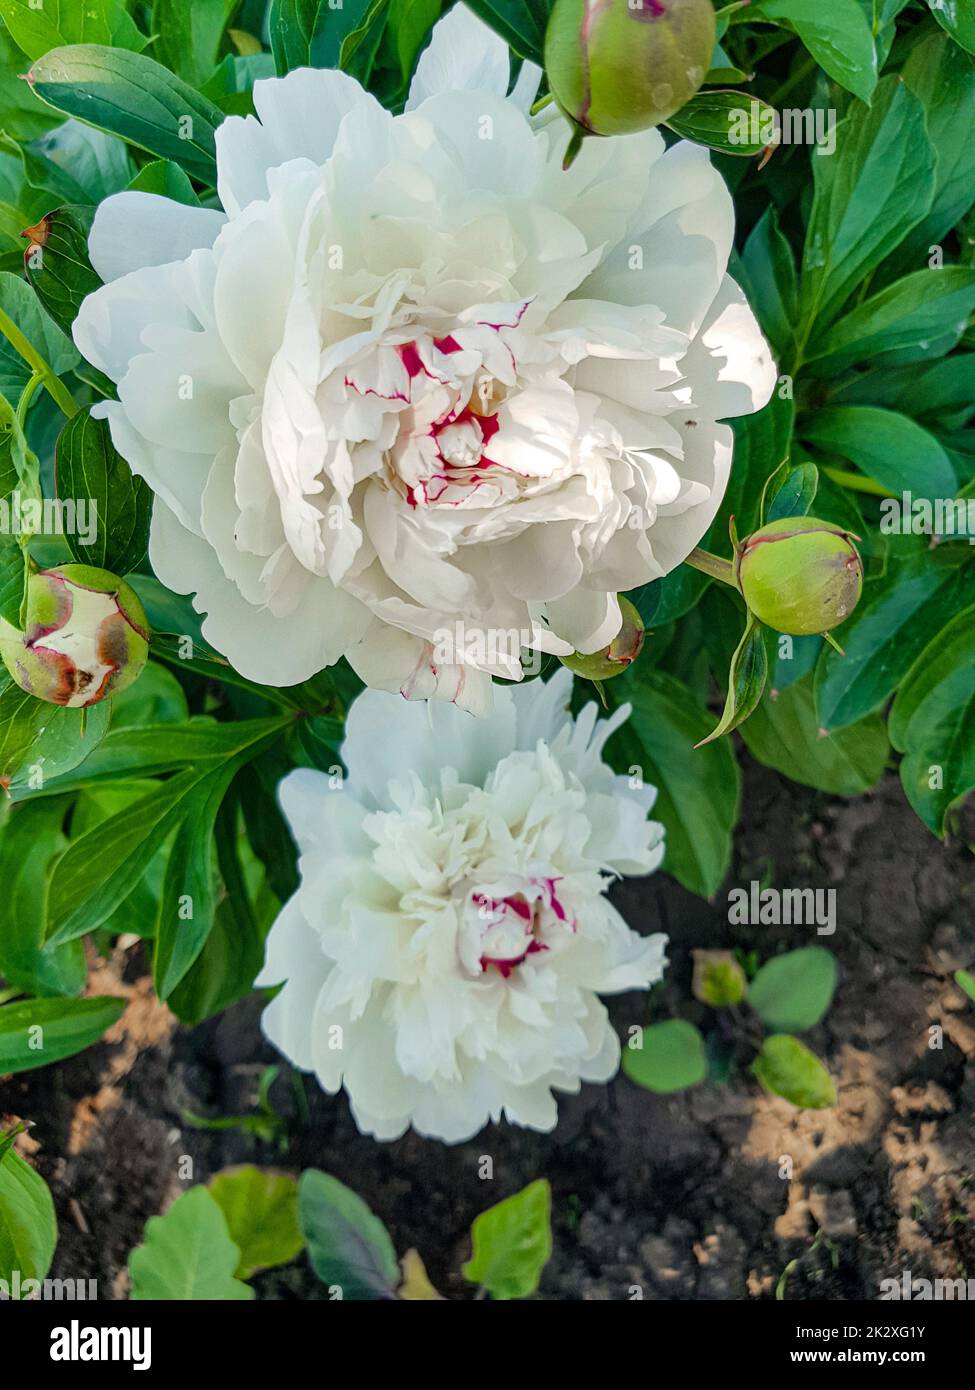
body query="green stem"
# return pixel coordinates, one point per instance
(42, 369)
(26, 396)
(803, 70)
(712, 565)
(856, 482)
(541, 103)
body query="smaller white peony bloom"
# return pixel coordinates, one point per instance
(444, 954)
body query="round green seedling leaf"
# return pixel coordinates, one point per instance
(793, 992)
(788, 1069)
(261, 1211)
(668, 1057)
(512, 1242)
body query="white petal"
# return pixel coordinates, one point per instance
(299, 118)
(134, 229)
(464, 54)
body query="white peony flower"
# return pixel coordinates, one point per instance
(417, 395)
(444, 953)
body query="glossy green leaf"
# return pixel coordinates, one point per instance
(912, 313)
(36, 1032)
(165, 178)
(793, 991)
(788, 1069)
(57, 265)
(349, 1247)
(957, 18)
(896, 618)
(130, 95)
(746, 681)
(521, 23)
(867, 197)
(30, 840)
(942, 76)
(38, 27)
(890, 448)
(261, 1211)
(309, 33)
(699, 788)
(187, 37)
(932, 722)
(18, 300)
(670, 1057)
(772, 280)
(783, 733)
(836, 34)
(28, 1226)
(795, 492)
(512, 1243)
(187, 1255)
(89, 466)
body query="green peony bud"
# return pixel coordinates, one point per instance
(618, 66)
(621, 652)
(86, 637)
(800, 575)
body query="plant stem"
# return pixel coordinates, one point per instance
(856, 482)
(26, 396)
(42, 369)
(712, 565)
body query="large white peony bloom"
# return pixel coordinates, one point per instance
(417, 395)
(444, 953)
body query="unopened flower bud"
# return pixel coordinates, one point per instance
(618, 66)
(718, 979)
(85, 637)
(621, 652)
(799, 575)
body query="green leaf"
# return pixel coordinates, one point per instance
(36, 1032)
(309, 33)
(131, 96)
(895, 619)
(512, 1243)
(75, 164)
(28, 1226)
(957, 19)
(89, 466)
(788, 1069)
(699, 789)
(888, 447)
(40, 742)
(727, 121)
(261, 1211)
(155, 698)
(187, 1255)
(39, 27)
(29, 841)
(795, 494)
(18, 300)
(966, 982)
(165, 178)
(793, 991)
(836, 34)
(57, 265)
(521, 23)
(671, 1057)
(912, 313)
(101, 867)
(349, 1248)
(784, 734)
(188, 37)
(932, 722)
(935, 67)
(770, 268)
(867, 197)
(746, 680)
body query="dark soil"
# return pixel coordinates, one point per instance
(685, 1197)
